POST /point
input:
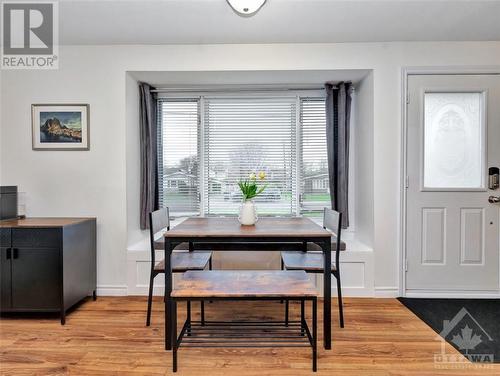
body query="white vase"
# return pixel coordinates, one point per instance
(248, 213)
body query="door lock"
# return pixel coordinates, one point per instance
(494, 199)
(493, 178)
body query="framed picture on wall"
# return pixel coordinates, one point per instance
(60, 126)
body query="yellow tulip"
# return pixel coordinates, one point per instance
(262, 175)
(252, 176)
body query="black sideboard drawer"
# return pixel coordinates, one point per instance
(36, 238)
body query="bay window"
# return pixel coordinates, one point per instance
(207, 144)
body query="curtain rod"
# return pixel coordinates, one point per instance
(233, 89)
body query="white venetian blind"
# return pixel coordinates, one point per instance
(178, 160)
(315, 190)
(244, 135)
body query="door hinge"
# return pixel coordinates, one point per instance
(407, 181)
(407, 98)
(406, 265)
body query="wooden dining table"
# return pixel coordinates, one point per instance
(268, 234)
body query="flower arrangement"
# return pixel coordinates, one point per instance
(250, 188)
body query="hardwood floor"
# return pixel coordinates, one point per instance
(109, 337)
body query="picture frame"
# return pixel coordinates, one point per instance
(60, 126)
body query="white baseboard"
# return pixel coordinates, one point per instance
(112, 290)
(387, 292)
(354, 292)
(444, 294)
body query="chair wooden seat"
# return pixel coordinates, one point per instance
(308, 261)
(184, 261)
(230, 284)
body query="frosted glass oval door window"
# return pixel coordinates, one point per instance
(454, 135)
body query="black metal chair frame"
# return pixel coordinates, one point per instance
(154, 273)
(335, 272)
(245, 334)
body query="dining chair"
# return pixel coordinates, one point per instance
(184, 257)
(311, 260)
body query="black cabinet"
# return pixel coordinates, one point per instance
(47, 265)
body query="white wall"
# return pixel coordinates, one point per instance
(363, 159)
(74, 183)
(95, 182)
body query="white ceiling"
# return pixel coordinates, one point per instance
(279, 21)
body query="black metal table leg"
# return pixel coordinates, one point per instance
(188, 319)
(302, 317)
(174, 335)
(315, 333)
(327, 294)
(282, 268)
(168, 299)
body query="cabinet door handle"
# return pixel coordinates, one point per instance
(15, 253)
(8, 253)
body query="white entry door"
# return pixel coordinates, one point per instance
(452, 230)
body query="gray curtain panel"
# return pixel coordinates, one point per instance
(338, 115)
(149, 160)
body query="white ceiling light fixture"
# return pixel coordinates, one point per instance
(246, 8)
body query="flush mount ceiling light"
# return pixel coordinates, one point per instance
(246, 7)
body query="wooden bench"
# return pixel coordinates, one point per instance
(245, 285)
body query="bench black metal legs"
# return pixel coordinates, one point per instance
(245, 334)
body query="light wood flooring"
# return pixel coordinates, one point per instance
(109, 337)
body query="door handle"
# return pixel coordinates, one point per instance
(8, 253)
(494, 199)
(15, 253)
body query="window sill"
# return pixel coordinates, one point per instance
(353, 244)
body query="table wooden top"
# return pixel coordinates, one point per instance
(216, 227)
(42, 222)
(244, 284)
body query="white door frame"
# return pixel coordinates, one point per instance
(405, 73)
